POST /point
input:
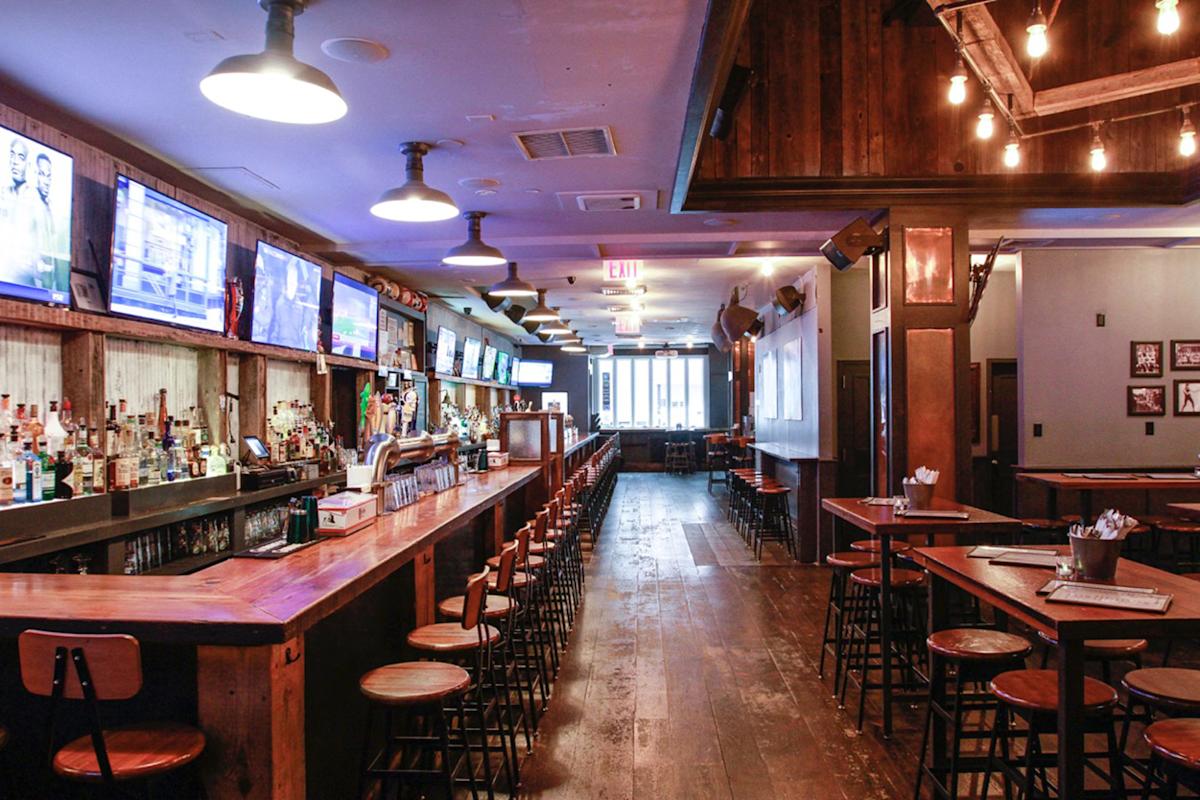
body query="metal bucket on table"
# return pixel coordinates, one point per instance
(1095, 559)
(920, 495)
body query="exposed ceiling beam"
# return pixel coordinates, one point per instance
(984, 45)
(1111, 88)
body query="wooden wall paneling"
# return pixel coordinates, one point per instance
(825, 39)
(31, 366)
(288, 381)
(136, 371)
(252, 393)
(83, 362)
(213, 372)
(322, 394)
(232, 425)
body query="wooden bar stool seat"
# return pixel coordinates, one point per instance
(978, 644)
(498, 607)
(872, 577)
(519, 581)
(1176, 741)
(1036, 690)
(537, 549)
(1105, 649)
(842, 564)
(414, 683)
(873, 546)
(852, 559)
(534, 562)
(134, 752)
(450, 637)
(1174, 690)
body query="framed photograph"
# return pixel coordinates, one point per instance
(85, 293)
(1185, 354)
(1145, 359)
(1187, 398)
(1146, 401)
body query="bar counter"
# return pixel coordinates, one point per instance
(248, 619)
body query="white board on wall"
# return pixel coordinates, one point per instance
(769, 396)
(793, 380)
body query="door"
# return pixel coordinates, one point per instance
(1001, 432)
(854, 428)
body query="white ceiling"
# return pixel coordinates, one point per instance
(133, 67)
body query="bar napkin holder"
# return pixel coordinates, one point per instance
(919, 488)
(1096, 549)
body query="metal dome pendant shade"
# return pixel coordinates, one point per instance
(474, 252)
(415, 201)
(739, 321)
(556, 327)
(512, 286)
(274, 85)
(541, 312)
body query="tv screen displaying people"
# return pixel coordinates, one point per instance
(287, 299)
(35, 221)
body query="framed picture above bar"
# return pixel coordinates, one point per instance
(1185, 354)
(1145, 359)
(1187, 398)
(1146, 401)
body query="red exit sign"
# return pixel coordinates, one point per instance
(622, 269)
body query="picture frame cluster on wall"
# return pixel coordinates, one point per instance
(1147, 360)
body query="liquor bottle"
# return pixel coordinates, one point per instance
(143, 461)
(6, 414)
(216, 461)
(81, 462)
(99, 473)
(48, 465)
(33, 473)
(162, 412)
(56, 434)
(18, 464)
(153, 456)
(110, 433)
(33, 427)
(7, 461)
(64, 481)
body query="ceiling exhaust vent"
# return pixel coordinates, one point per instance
(566, 143)
(624, 200)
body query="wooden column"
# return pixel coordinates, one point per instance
(83, 374)
(497, 527)
(921, 351)
(251, 708)
(212, 378)
(252, 393)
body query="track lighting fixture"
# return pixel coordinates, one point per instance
(474, 252)
(1168, 16)
(1012, 150)
(958, 83)
(1187, 136)
(274, 85)
(414, 201)
(986, 126)
(1037, 45)
(1098, 158)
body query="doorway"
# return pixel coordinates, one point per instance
(854, 428)
(1001, 432)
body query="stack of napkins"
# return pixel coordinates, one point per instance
(1112, 524)
(924, 475)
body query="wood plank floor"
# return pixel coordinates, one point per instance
(692, 671)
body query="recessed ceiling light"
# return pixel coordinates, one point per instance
(355, 50)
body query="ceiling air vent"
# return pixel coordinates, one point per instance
(566, 143)
(609, 202)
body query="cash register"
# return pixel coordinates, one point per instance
(260, 474)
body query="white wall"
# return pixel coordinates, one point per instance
(1073, 375)
(993, 335)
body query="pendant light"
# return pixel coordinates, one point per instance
(1187, 136)
(574, 348)
(738, 321)
(1168, 16)
(1037, 45)
(414, 201)
(273, 85)
(1012, 150)
(986, 126)
(1097, 156)
(541, 312)
(720, 341)
(474, 252)
(512, 286)
(555, 327)
(958, 83)
(568, 338)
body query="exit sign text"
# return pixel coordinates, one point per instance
(622, 269)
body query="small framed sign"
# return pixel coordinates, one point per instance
(1185, 354)
(1145, 359)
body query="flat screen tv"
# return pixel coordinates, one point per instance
(355, 319)
(287, 299)
(502, 368)
(536, 373)
(446, 341)
(35, 221)
(168, 260)
(471, 348)
(513, 370)
(489, 363)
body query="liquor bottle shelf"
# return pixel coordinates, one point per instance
(189, 564)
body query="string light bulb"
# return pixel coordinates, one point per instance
(1037, 45)
(958, 83)
(1187, 136)
(986, 125)
(1012, 151)
(1168, 16)
(1099, 159)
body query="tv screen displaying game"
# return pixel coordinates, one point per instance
(355, 318)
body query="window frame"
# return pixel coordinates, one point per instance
(642, 390)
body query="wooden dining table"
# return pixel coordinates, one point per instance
(1186, 510)
(1012, 592)
(1085, 483)
(882, 522)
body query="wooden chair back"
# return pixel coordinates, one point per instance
(474, 599)
(540, 522)
(522, 538)
(508, 565)
(113, 660)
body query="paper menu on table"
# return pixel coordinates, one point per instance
(1107, 597)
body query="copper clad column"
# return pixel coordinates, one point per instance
(921, 352)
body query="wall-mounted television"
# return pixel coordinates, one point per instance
(536, 373)
(35, 221)
(502, 367)
(513, 370)
(489, 363)
(355, 318)
(446, 342)
(471, 348)
(287, 299)
(168, 260)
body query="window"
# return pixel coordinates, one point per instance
(648, 392)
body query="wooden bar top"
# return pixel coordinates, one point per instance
(882, 520)
(1013, 589)
(251, 601)
(591, 437)
(1133, 480)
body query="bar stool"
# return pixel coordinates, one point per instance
(1042, 531)
(1103, 651)
(91, 669)
(716, 458)
(863, 626)
(841, 565)
(1032, 694)
(1186, 534)
(1171, 691)
(977, 655)
(472, 643)
(772, 519)
(529, 635)
(875, 546)
(1175, 753)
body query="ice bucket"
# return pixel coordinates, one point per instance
(920, 495)
(1095, 559)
